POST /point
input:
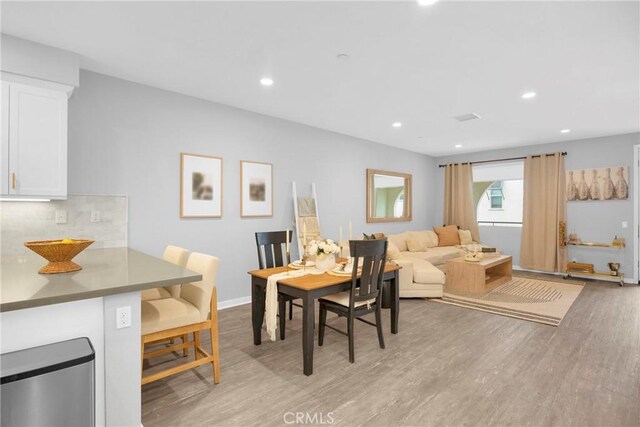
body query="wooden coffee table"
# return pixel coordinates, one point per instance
(477, 277)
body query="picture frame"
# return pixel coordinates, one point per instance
(597, 184)
(200, 186)
(256, 189)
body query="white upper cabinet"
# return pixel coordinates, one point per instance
(34, 141)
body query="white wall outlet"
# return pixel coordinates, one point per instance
(123, 317)
(61, 217)
(625, 224)
(95, 216)
(574, 259)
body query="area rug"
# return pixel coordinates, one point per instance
(541, 301)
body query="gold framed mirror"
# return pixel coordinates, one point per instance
(389, 196)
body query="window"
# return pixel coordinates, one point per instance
(495, 195)
(498, 193)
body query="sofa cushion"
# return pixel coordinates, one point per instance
(465, 237)
(400, 240)
(435, 256)
(448, 235)
(427, 273)
(427, 238)
(415, 245)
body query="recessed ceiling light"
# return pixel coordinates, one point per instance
(266, 81)
(396, 124)
(467, 117)
(427, 2)
(565, 131)
(528, 95)
(458, 145)
(343, 57)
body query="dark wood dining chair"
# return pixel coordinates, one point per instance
(365, 294)
(272, 253)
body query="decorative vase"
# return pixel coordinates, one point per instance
(325, 262)
(621, 188)
(583, 189)
(572, 190)
(609, 190)
(594, 189)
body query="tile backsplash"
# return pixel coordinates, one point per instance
(25, 221)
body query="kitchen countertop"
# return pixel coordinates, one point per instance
(104, 272)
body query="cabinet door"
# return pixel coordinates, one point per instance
(4, 146)
(37, 142)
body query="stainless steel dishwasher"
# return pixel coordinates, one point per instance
(50, 385)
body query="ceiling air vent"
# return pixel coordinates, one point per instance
(467, 117)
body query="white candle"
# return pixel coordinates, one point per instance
(287, 241)
(350, 230)
(340, 239)
(304, 233)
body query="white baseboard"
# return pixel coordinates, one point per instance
(233, 302)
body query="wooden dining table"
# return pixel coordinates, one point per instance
(309, 288)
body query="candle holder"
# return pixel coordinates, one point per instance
(288, 261)
(304, 256)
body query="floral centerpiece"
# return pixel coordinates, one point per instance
(325, 252)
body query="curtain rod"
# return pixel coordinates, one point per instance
(564, 153)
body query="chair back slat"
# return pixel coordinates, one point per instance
(271, 247)
(373, 254)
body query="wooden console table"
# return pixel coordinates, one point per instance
(478, 277)
(605, 276)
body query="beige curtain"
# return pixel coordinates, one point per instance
(544, 208)
(458, 198)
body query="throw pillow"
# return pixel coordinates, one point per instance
(400, 240)
(465, 237)
(392, 251)
(415, 245)
(432, 239)
(448, 235)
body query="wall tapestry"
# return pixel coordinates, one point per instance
(598, 184)
(200, 186)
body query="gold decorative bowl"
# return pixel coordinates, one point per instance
(59, 253)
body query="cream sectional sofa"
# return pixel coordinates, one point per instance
(423, 262)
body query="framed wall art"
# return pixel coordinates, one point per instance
(598, 184)
(256, 189)
(200, 186)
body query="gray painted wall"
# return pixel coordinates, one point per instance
(595, 221)
(126, 138)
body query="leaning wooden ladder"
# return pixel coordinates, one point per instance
(306, 215)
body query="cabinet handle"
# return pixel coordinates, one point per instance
(13, 181)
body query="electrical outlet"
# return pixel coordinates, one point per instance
(625, 224)
(95, 216)
(123, 317)
(61, 217)
(574, 259)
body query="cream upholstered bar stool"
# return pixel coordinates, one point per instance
(175, 317)
(174, 255)
(178, 256)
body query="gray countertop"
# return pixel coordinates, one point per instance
(104, 272)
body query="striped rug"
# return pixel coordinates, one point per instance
(540, 301)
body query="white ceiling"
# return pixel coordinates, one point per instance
(417, 65)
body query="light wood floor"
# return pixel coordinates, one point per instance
(447, 366)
